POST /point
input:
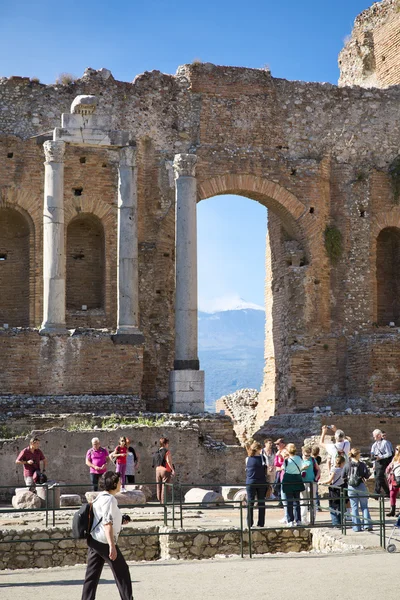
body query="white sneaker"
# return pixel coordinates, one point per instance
(123, 489)
(292, 524)
(284, 521)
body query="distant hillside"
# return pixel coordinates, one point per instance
(231, 351)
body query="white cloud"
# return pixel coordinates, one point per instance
(226, 302)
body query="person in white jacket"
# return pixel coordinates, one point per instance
(107, 523)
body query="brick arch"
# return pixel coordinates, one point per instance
(106, 213)
(273, 196)
(15, 266)
(25, 204)
(382, 221)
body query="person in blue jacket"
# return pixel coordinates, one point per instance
(256, 483)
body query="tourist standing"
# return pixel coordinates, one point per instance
(393, 473)
(317, 457)
(256, 483)
(384, 437)
(120, 454)
(355, 473)
(268, 457)
(381, 453)
(292, 485)
(132, 463)
(96, 459)
(31, 457)
(281, 454)
(102, 542)
(162, 461)
(340, 447)
(336, 485)
(310, 474)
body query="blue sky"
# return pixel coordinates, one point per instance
(297, 40)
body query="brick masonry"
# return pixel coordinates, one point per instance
(312, 154)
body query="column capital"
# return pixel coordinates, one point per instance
(184, 165)
(127, 156)
(54, 151)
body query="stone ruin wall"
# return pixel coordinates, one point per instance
(203, 450)
(313, 154)
(371, 56)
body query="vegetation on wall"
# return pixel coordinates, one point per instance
(333, 243)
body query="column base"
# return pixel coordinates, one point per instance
(53, 329)
(131, 337)
(187, 365)
(186, 391)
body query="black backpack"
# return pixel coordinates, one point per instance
(159, 457)
(82, 522)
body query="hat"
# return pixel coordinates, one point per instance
(279, 441)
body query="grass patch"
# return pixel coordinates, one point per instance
(65, 79)
(82, 426)
(333, 243)
(116, 421)
(5, 433)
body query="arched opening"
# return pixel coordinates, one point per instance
(85, 264)
(14, 268)
(283, 276)
(231, 273)
(388, 276)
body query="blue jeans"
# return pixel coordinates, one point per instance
(94, 478)
(291, 501)
(254, 490)
(359, 499)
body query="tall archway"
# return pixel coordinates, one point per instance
(85, 263)
(388, 276)
(14, 268)
(287, 257)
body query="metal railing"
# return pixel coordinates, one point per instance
(174, 508)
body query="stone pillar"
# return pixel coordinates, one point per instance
(128, 264)
(186, 381)
(53, 240)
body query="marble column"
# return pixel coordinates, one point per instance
(53, 240)
(186, 263)
(128, 264)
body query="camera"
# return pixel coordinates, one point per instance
(126, 519)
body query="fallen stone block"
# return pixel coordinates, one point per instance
(26, 499)
(90, 496)
(144, 488)
(228, 492)
(70, 500)
(204, 497)
(131, 497)
(241, 495)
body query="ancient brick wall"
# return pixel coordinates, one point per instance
(313, 154)
(371, 57)
(81, 364)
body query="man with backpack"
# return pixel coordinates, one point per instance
(30, 458)
(162, 461)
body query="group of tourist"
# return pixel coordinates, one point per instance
(277, 471)
(98, 459)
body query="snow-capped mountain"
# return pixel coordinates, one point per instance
(231, 350)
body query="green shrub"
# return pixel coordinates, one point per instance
(333, 243)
